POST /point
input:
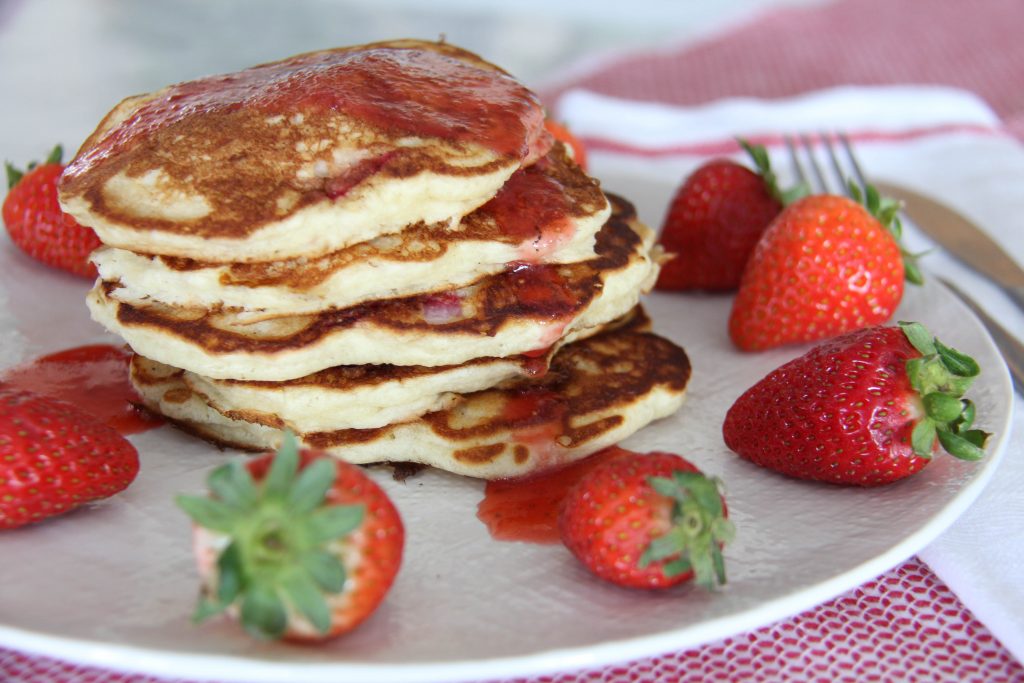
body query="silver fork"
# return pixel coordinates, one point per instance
(846, 176)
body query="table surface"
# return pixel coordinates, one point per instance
(63, 63)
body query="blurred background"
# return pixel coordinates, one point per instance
(65, 63)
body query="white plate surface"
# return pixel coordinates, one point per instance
(114, 585)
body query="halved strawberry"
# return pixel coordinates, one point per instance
(297, 546)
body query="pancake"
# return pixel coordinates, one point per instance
(304, 156)
(370, 396)
(527, 308)
(597, 392)
(549, 212)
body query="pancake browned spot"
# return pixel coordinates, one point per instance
(480, 454)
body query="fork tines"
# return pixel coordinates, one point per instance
(815, 178)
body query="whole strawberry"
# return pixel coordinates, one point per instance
(826, 265)
(36, 224)
(55, 458)
(866, 408)
(714, 221)
(298, 546)
(647, 521)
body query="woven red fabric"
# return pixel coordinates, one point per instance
(906, 626)
(971, 45)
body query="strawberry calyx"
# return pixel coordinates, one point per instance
(763, 165)
(276, 559)
(941, 376)
(14, 175)
(886, 211)
(699, 529)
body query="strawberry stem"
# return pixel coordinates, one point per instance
(941, 375)
(277, 530)
(699, 529)
(763, 165)
(56, 155)
(887, 212)
(14, 175)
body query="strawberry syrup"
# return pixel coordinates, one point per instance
(526, 509)
(94, 378)
(536, 418)
(533, 208)
(405, 92)
(535, 363)
(541, 291)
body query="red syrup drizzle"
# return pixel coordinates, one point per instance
(535, 363)
(402, 91)
(532, 207)
(526, 509)
(533, 406)
(93, 378)
(536, 418)
(541, 291)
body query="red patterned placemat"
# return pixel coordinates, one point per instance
(905, 626)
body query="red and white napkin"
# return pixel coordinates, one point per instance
(794, 48)
(941, 141)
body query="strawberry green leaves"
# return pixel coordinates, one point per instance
(886, 211)
(277, 530)
(941, 376)
(14, 174)
(699, 529)
(647, 520)
(763, 165)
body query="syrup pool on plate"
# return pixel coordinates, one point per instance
(526, 509)
(94, 378)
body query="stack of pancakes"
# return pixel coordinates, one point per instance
(380, 248)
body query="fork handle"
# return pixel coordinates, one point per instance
(1017, 295)
(1011, 349)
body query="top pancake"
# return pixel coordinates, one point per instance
(304, 156)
